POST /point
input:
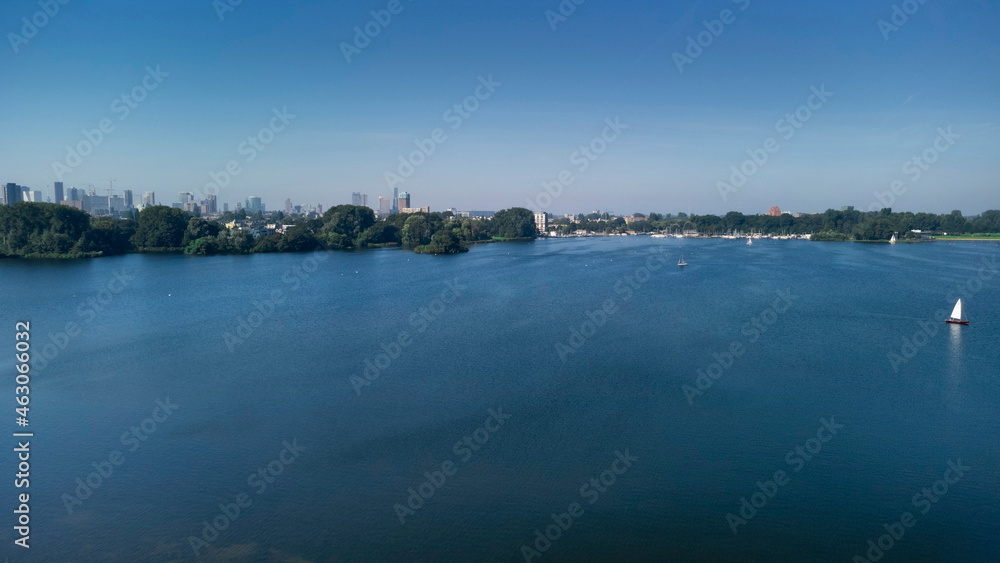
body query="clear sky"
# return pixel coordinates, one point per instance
(892, 90)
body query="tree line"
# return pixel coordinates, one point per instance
(30, 229)
(831, 225)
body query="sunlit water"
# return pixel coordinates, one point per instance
(481, 332)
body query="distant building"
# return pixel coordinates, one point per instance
(225, 208)
(319, 208)
(415, 210)
(32, 195)
(254, 204)
(11, 194)
(395, 201)
(404, 200)
(847, 208)
(288, 206)
(58, 189)
(128, 198)
(542, 222)
(185, 197)
(149, 199)
(633, 219)
(384, 206)
(774, 212)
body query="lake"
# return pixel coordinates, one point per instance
(561, 400)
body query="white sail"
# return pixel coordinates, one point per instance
(956, 313)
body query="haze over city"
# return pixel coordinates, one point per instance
(532, 86)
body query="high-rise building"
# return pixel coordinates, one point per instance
(404, 200)
(384, 206)
(254, 204)
(542, 222)
(149, 199)
(75, 194)
(58, 189)
(11, 194)
(225, 208)
(395, 201)
(128, 198)
(356, 198)
(288, 206)
(31, 195)
(319, 208)
(185, 197)
(209, 204)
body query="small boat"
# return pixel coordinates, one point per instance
(957, 317)
(749, 241)
(893, 239)
(681, 262)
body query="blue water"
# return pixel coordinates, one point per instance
(825, 355)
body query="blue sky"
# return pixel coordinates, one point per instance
(557, 87)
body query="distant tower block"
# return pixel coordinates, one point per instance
(775, 211)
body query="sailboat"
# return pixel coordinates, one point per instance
(957, 317)
(893, 239)
(681, 262)
(749, 241)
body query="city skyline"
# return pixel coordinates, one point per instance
(694, 97)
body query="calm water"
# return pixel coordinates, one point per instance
(494, 347)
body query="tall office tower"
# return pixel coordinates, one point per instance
(58, 188)
(254, 204)
(149, 199)
(128, 198)
(356, 198)
(319, 208)
(364, 200)
(185, 197)
(29, 194)
(212, 203)
(225, 208)
(73, 194)
(384, 206)
(288, 206)
(11, 194)
(395, 200)
(404, 200)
